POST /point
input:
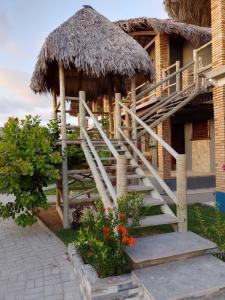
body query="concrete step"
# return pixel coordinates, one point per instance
(150, 201)
(200, 277)
(129, 176)
(138, 188)
(163, 219)
(163, 248)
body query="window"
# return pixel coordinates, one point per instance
(200, 130)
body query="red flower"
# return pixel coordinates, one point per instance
(125, 240)
(122, 216)
(122, 230)
(131, 241)
(106, 231)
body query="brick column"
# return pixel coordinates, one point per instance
(218, 57)
(164, 129)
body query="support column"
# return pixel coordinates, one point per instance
(54, 105)
(121, 175)
(161, 58)
(164, 158)
(163, 129)
(218, 59)
(118, 119)
(64, 147)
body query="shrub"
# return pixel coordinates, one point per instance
(28, 160)
(103, 235)
(215, 232)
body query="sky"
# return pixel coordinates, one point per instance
(24, 25)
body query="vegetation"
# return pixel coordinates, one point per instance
(103, 236)
(28, 162)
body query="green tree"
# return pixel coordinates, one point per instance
(28, 162)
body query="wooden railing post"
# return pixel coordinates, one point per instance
(64, 147)
(178, 77)
(134, 107)
(181, 193)
(121, 175)
(118, 119)
(81, 113)
(196, 69)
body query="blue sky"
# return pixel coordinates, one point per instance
(24, 24)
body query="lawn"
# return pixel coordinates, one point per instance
(75, 186)
(207, 213)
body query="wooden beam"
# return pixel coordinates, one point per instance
(143, 33)
(152, 42)
(64, 146)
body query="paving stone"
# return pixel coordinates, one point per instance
(34, 265)
(170, 246)
(190, 279)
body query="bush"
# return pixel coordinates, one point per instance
(28, 160)
(215, 232)
(103, 236)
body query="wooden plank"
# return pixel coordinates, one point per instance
(64, 147)
(141, 33)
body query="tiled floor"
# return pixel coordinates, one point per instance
(34, 265)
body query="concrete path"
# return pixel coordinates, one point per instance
(34, 265)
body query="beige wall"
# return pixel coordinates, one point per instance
(200, 154)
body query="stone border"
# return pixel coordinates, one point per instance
(112, 288)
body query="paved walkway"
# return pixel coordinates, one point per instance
(34, 265)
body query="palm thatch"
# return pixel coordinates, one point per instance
(195, 34)
(196, 12)
(96, 54)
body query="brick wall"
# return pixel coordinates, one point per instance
(164, 129)
(218, 55)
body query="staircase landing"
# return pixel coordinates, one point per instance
(201, 278)
(157, 249)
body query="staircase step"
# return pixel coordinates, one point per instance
(163, 219)
(108, 151)
(106, 158)
(150, 201)
(164, 248)
(195, 278)
(129, 176)
(138, 188)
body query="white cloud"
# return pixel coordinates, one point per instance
(17, 99)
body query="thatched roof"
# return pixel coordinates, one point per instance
(195, 34)
(196, 12)
(96, 54)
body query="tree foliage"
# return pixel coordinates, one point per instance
(28, 162)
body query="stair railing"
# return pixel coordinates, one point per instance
(180, 198)
(121, 161)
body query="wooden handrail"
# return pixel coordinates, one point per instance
(150, 131)
(151, 169)
(102, 133)
(101, 167)
(154, 86)
(204, 46)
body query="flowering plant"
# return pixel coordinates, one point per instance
(102, 239)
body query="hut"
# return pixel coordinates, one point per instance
(190, 11)
(86, 53)
(173, 45)
(95, 54)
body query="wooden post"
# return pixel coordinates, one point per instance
(178, 77)
(196, 69)
(182, 193)
(121, 175)
(82, 122)
(127, 124)
(64, 147)
(134, 108)
(111, 124)
(54, 105)
(118, 119)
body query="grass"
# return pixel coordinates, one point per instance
(208, 214)
(75, 186)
